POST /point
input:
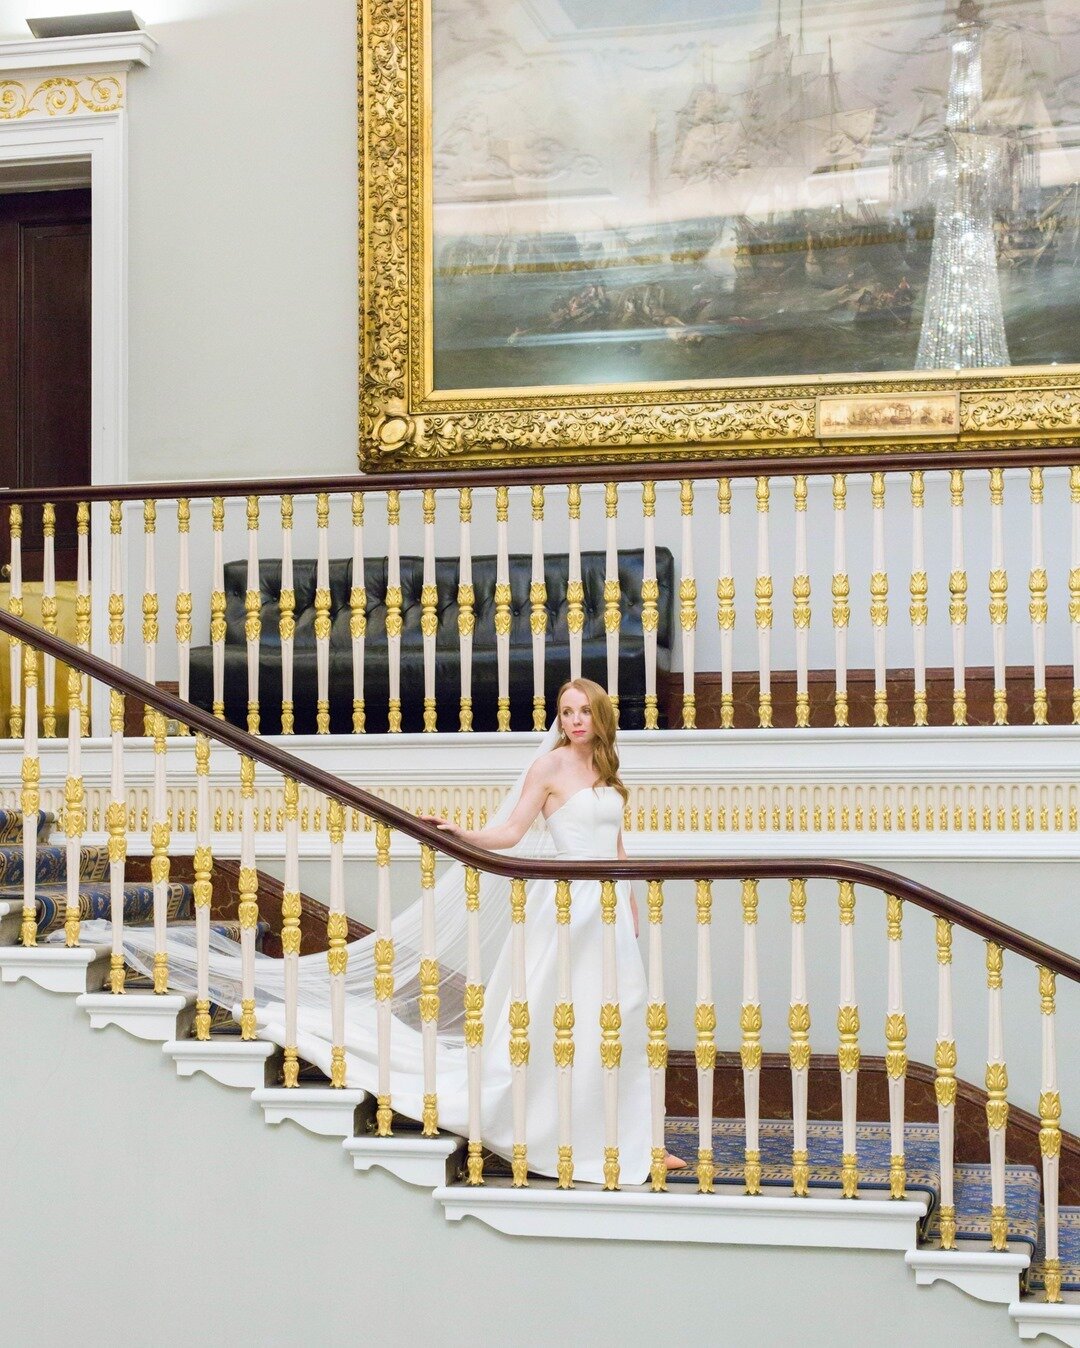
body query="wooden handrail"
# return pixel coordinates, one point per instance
(810, 465)
(644, 868)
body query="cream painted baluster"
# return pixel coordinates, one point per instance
(15, 608)
(945, 1082)
(650, 595)
(610, 1025)
(538, 611)
(48, 617)
(474, 1024)
(466, 597)
(1038, 608)
(287, 617)
(429, 988)
(31, 796)
(183, 602)
(358, 614)
(896, 1047)
(248, 911)
(688, 604)
(656, 1024)
(429, 612)
(564, 1035)
(879, 599)
(1050, 1133)
(159, 859)
(918, 610)
(74, 807)
(575, 591)
(750, 1048)
(322, 613)
(763, 610)
(1074, 587)
(997, 1105)
(800, 590)
(612, 595)
(82, 600)
(290, 929)
(337, 958)
(799, 1047)
(999, 588)
(116, 823)
(217, 607)
(841, 589)
(725, 610)
(203, 866)
(150, 606)
(847, 1024)
(705, 1029)
(519, 1035)
(958, 597)
(384, 967)
(538, 615)
(502, 604)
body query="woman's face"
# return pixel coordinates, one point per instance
(575, 717)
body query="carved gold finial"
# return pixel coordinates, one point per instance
(1047, 990)
(611, 500)
(750, 902)
(427, 505)
(15, 519)
(648, 499)
(918, 489)
(956, 486)
(537, 502)
(322, 508)
(761, 492)
(502, 504)
(573, 500)
(995, 963)
(877, 490)
(894, 913)
(563, 1021)
(997, 486)
(723, 495)
(686, 496)
(847, 902)
(703, 900)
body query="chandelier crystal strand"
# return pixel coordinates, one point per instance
(763, 610)
(1074, 588)
(705, 1028)
(217, 608)
(575, 592)
(610, 1025)
(945, 1081)
(502, 605)
(688, 604)
(429, 988)
(800, 589)
(1050, 1133)
(879, 599)
(466, 622)
(203, 869)
(612, 595)
(841, 589)
(918, 610)
(74, 807)
(149, 607)
(725, 611)
(896, 1046)
(958, 609)
(962, 324)
(847, 1025)
(799, 1047)
(322, 612)
(1038, 607)
(48, 617)
(999, 584)
(656, 1024)
(116, 823)
(287, 616)
(253, 615)
(183, 602)
(650, 594)
(538, 613)
(82, 601)
(30, 798)
(358, 613)
(519, 1034)
(997, 1105)
(159, 859)
(15, 608)
(429, 612)
(750, 1046)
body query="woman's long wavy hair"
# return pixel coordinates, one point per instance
(605, 755)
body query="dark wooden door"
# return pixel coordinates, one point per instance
(44, 360)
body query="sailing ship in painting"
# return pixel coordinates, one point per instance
(761, 226)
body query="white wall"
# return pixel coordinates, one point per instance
(167, 1210)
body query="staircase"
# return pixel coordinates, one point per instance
(1014, 1277)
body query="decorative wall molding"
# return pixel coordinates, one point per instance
(60, 95)
(90, 54)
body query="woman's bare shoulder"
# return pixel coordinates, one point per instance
(547, 767)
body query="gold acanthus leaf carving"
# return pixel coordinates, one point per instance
(60, 96)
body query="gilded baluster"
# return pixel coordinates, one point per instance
(879, 599)
(203, 865)
(217, 606)
(322, 614)
(248, 910)
(429, 988)
(1074, 586)
(705, 1029)
(82, 600)
(650, 595)
(612, 592)
(999, 588)
(1050, 1134)
(610, 1025)
(1038, 608)
(287, 617)
(750, 1048)
(958, 597)
(896, 1047)
(466, 622)
(656, 1025)
(538, 613)
(519, 1035)
(502, 605)
(337, 960)
(74, 808)
(358, 614)
(575, 591)
(918, 610)
(384, 975)
(290, 929)
(183, 602)
(725, 611)
(763, 610)
(474, 1023)
(688, 604)
(564, 1035)
(800, 592)
(159, 859)
(841, 589)
(49, 617)
(15, 608)
(116, 823)
(847, 1025)
(150, 607)
(799, 1048)
(30, 799)
(429, 612)
(997, 1105)
(945, 1060)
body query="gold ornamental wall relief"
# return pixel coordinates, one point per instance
(584, 238)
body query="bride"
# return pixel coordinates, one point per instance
(567, 804)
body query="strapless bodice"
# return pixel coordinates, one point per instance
(586, 826)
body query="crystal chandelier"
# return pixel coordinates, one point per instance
(962, 322)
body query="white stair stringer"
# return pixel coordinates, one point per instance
(986, 1274)
(426, 1161)
(246, 1064)
(55, 967)
(324, 1110)
(146, 1015)
(1060, 1321)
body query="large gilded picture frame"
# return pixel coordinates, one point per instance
(407, 420)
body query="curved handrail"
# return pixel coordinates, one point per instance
(810, 465)
(643, 868)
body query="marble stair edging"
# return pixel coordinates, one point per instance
(247, 1064)
(1060, 1320)
(986, 1274)
(56, 968)
(326, 1111)
(146, 1015)
(430, 1162)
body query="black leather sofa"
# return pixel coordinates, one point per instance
(448, 664)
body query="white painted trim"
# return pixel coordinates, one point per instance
(1060, 1321)
(727, 1217)
(112, 51)
(323, 1110)
(244, 1064)
(987, 1275)
(56, 968)
(146, 1015)
(425, 1161)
